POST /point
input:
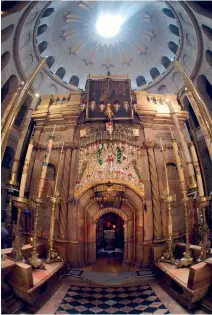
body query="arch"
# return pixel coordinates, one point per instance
(168, 13)
(53, 88)
(165, 61)
(10, 7)
(24, 40)
(205, 89)
(21, 115)
(188, 107)
(47, 12)
(174, 29)
(176, 78)
(50, 61)
(42, 46)
(9, 88)
(8, 157)
(173, 47)
(140, 80)
(6, 32)
(154, 72)
(103, 211)
(208, 57)
(74, 80)
(207, 31)
(41, 29)
(201, 7)
(191, 40)
(162, 88)
(5, 58)
(60, 72)
(187, 61)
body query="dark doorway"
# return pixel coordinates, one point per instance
(110, 237)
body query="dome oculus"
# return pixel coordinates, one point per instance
(108, 25)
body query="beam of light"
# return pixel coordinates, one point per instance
(108, 25)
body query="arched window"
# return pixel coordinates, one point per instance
(48, 12)
(8, 157)
(41, 29)
(207, 31)
(60, 72)
(21, 115)
(208, 56)
(193, 117)
(74, 80)
(165, 61)
(168, 13)
(42, 46)
(174, 29)
(162, 88)
(154, 72)
(5, 58)
(6, 32)
(50, 61)
(173, 47)
(140, 80)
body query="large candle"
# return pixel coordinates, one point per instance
(165, 168)
(197, 169)
(45, 165)
(25, 169)
(178, 163)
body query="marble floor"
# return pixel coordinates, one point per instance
(53, 303)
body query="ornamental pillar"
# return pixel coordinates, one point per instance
(64, 195)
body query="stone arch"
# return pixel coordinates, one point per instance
(74, 80)
(41, 29)
(154, 72)
(174, 29)
(205, 89)
(168, 13)
(140, 80)
(103, 211)
(48, 12)
(207, 31)
(165, 61)
(50, 61)
(60, 72)
(208, 57)
(173, 47)
(42, 46)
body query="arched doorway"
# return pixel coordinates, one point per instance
(110, 238)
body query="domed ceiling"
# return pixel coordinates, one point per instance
(72, 42)
(151, 35)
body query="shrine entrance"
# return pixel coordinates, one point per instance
(110, 238)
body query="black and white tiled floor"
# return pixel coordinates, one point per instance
(116, 300)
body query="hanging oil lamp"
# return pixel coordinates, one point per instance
(126, 105)
(101, 106)
(116, 106)
(83, 105)
(92, 105)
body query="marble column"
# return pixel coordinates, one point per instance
(155, 191)
(64, 194)
(192, 180)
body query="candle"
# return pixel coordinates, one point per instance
(45, 165)
(25, 169)
(165, 168)
(179, 165)
(58, 169)
(197, 170)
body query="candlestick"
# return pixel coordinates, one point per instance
(55, 199)
(168, 198)
(187, 259)
(34, 260)
(25, 168)
(197, 170)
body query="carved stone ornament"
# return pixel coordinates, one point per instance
(135, 132)
(83, 133)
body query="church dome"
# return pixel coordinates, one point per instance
(151, 35)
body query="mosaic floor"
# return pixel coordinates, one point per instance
(121, 300)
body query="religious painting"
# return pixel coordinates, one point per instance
(109, 99)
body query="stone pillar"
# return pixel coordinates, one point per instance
(64, 195)
(192, 180)
(155, 192)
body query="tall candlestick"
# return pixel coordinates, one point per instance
(34, 260)
(197, 169)
(165, 168)
(25, 169)
(55, 199)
